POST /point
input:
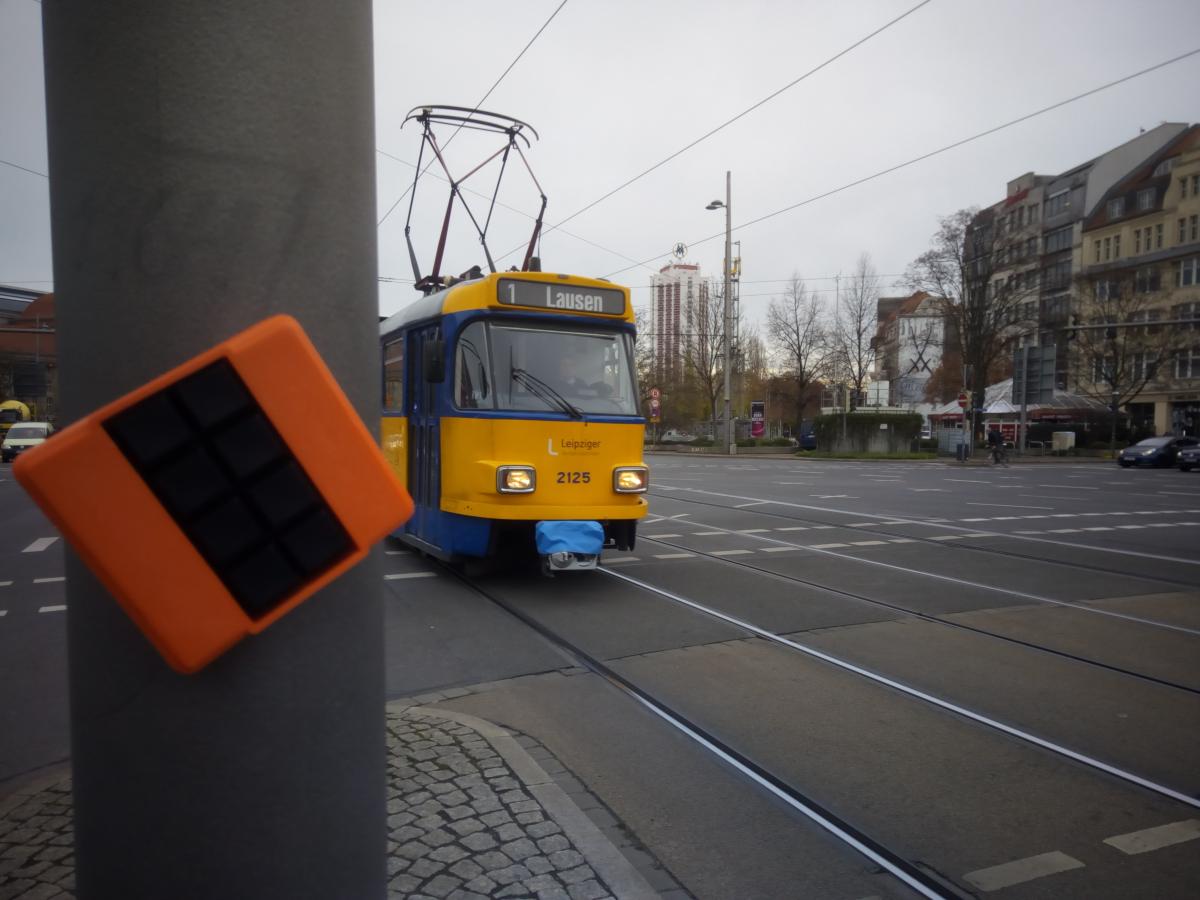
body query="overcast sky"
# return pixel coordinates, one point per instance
(615, 86)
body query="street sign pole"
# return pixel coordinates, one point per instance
(212, 163)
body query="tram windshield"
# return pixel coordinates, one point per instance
(538, 368)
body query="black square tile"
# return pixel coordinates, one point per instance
(225, 533)
(149, 431)
(262, 580)
(213, 394)
(188, 484)
(316, 542)
(283, 494)
(249, 445)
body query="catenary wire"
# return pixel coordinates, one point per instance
(23, 169)
(730, 121)
(482, 100)
(932, 153)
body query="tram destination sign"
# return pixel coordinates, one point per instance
(565, 297)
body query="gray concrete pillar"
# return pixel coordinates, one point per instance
(212, 163)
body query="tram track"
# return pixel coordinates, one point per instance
(928, 617)
(729, 746)
(916, 876)
(1086, 567)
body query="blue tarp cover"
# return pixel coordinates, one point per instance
(573, 537)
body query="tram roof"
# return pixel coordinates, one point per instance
(483, 293)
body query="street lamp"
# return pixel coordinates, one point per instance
(730, 446)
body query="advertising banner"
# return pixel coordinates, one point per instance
(758, 418)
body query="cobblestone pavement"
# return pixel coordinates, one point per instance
(471, 814)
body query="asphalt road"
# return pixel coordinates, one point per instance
(981, 609)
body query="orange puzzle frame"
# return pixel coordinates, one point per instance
(120, 507)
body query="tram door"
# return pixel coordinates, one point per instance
(424, 445)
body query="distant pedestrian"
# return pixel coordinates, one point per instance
(996, 445)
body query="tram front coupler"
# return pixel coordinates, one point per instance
(568, 546)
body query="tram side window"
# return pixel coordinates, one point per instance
(471, 387)
(393, 376)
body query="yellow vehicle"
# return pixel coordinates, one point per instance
(510, 412)
(12, 412)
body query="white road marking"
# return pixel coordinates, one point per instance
(39, 545)
(706, 533)
(927, 490)
(49, 580)
(1181, 493)
(752, 530)
(730, 552)
(397, 552)
(47, 609)
(1130, 527)
(674, 555)
(1098, 528)
(791, 482)
(1155, 838)
(658, 536)
(5, 583)
(946, 537)
(402, 575)
(868, 543)
(3, 612)
(1070, 487)
(617, 559)
(1021, 870)
(794, 528)
(824, 546)
(1065, 530)
(776, 549)
(1008, 506)
(901, 541)
(828, 497)
(968, 480)
(755, 503)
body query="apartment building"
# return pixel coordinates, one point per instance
(677, 292)
(909, 342)
(1141, 264)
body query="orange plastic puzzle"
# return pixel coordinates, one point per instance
(208, 503)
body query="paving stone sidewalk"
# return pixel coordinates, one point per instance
(471, 814)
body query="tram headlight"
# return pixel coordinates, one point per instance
(516, 480)
(631, 479)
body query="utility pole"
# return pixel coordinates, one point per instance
(212, 163)
(730, 444)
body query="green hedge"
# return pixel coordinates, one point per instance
(861, 427)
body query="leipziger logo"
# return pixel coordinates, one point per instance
(572, 447)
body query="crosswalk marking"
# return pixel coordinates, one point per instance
(39, 545)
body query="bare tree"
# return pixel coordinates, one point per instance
(703, 360)
(854, 326)
(969, 267)
(797, 328)
(1118, 350)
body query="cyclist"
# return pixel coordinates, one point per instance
(996, 445)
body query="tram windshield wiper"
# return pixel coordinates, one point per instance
(545, 392)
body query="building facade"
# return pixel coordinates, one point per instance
(908, 344)
(677, 294)
(1140, 274)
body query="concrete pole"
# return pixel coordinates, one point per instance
(730, 443)
(212, 163)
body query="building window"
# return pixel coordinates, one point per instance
(1189, 272)
(1165, 166)
(1183, 187)
(1116, 207)
(1158, 236)
(1148, 238)
(1194, 228)
(1116, 246)
(1187, 363)
(1107, 249)
(1058, 203)
(1182, 231)
(1097, 245)
(1146, 280)
(1145, 199)
(1057, 276)
(1033, 210)
(1137, 240)
(1059, 239)
(1187, 311)
(1108, 290)
(1195, 185)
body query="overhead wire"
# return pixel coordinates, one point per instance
(730, 121)
(482, 100)
(23, 169)
(929, 155)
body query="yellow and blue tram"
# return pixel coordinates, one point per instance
(511, 414)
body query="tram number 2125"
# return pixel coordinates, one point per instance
(574, 478)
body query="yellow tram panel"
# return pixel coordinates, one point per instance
(574, 462)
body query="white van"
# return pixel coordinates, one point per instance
(22, 436)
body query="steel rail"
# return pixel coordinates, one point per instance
(905, 870)
(916, 693)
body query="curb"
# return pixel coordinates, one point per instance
(601, 854)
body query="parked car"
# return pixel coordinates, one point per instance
(1189, 458)
(674, 436)
(1155, 451)
(808, 440)
(22, 437)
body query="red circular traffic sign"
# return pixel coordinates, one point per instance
(964, 400)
